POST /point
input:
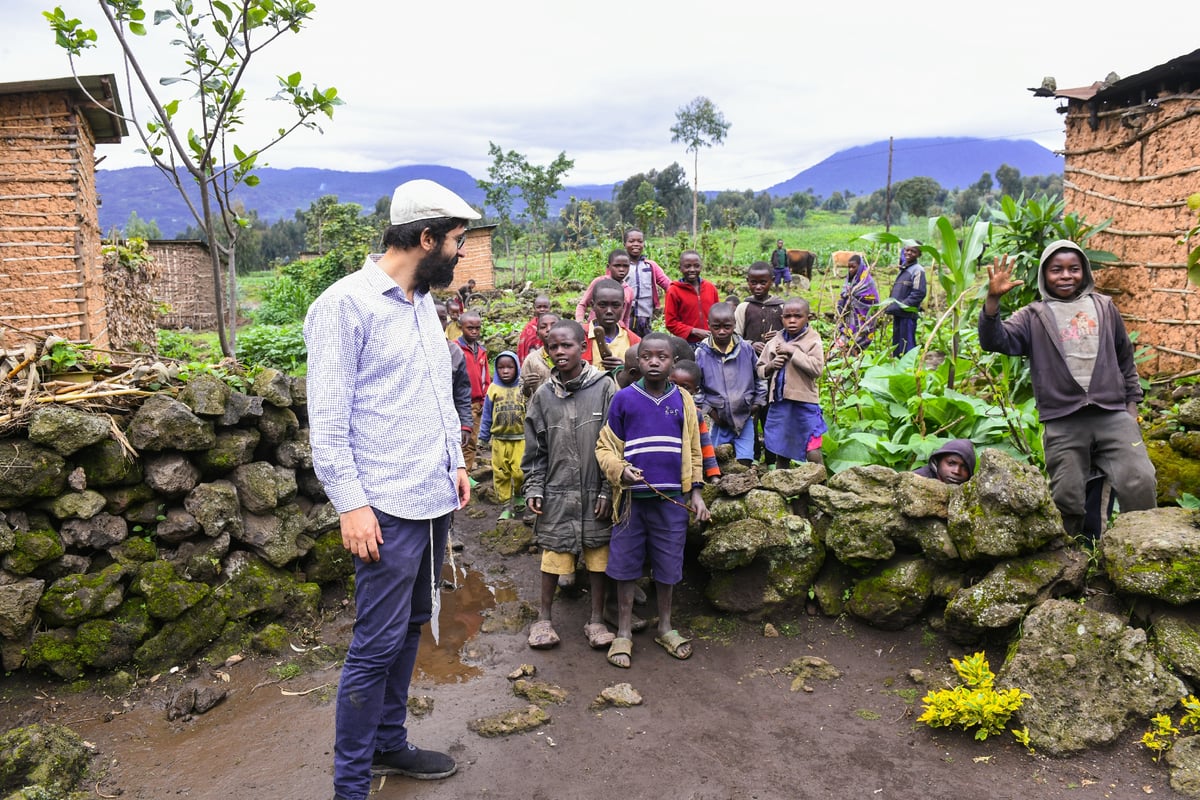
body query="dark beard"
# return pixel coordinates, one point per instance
(435, 270)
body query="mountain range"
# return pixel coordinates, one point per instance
(952, 162)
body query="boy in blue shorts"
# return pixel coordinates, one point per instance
(650, 447)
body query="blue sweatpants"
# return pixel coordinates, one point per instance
(904, 335)
(392, 600)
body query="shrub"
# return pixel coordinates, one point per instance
(279, 346)
(974, 704)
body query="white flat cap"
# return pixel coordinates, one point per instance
(423, 199)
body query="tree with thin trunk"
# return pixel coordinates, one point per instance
(698, 124)
(190, 137)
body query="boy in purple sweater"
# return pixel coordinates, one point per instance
(650, 447)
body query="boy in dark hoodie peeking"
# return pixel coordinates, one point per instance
(952, 463)
(503, 420)
(1084, 381)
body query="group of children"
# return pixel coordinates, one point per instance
(609, 431)
(603, 435)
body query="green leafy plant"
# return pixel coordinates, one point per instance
(1193, 259)
(1023, 228)
(279, 346)
(975, 704)
(1163, 731)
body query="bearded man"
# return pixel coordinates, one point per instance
(387, 448)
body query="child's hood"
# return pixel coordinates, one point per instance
(496, 370)
(963, 448)
(770, 301)
(1088, 284)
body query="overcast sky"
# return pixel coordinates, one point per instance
(434, 82)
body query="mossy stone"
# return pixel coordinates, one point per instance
(1175, 472)
(271, 640)
(180, 638)
(49, 761)
(253, 586)
(31, 549)
(80, 596)
(167, 595)
(78, 505)
(328, 560)
(231, 449)
(106, 463)
(30, 472)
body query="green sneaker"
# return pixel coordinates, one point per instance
(518, 503)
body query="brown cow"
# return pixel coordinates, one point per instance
(841, 258)
(801, 262)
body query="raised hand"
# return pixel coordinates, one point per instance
(1000, 280)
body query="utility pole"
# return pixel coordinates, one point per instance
(887, 204)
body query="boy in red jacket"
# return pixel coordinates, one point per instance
(689, 300)
(480, 374)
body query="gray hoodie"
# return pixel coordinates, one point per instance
(1037, 332)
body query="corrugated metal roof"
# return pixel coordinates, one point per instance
(1184, 69)
(106, 128)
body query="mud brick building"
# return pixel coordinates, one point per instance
(476, 261)
(51, 274)
(1132, 153)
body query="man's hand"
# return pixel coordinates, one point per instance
(700, 333)
(534, 504)
(698, 507)
(603, 508)
(464, 487)
(361, 534)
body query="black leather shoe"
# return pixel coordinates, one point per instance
(413, 762)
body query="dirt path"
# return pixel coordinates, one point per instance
(723, 725)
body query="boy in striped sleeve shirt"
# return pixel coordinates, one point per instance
(650, 447)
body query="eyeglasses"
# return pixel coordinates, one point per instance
(461, 242)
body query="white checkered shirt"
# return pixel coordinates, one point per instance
(382, 421)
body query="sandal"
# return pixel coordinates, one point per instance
(542, 635)
(621, 647)
(598, 635)
(673, 641)
(636, 623)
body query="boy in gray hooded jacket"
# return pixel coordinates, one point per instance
(1084, 380)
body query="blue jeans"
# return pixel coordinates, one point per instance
(393, 600)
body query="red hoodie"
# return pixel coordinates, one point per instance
(687, 307)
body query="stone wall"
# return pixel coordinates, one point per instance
(197, 518)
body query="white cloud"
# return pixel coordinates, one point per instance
(435, 83)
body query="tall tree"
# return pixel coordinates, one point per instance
(499, 192)
(698, 124)
(538, 184)
(190, 137)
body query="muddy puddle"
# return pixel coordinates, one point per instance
(466, 595)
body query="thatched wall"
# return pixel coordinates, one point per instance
(130, 273)
(51, 277)
(185, 284)
(476, 261)
(1137, 163)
